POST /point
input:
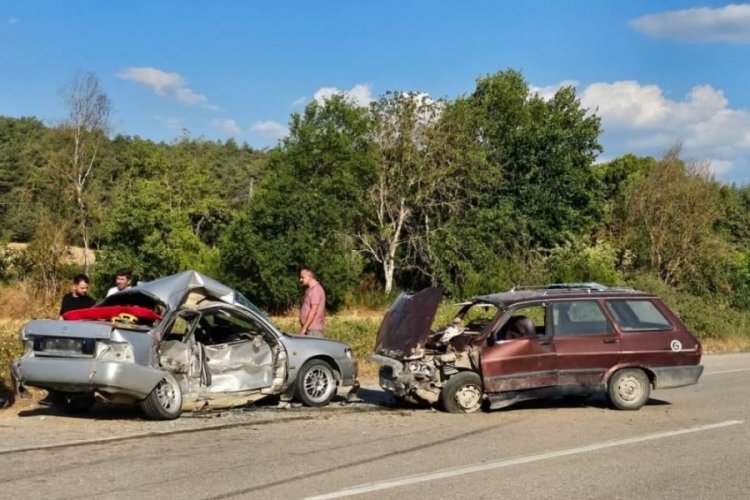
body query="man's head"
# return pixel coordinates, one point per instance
(80, 285)
(306, 276)
(123, 278)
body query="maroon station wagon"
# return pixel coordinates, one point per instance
(535, 342)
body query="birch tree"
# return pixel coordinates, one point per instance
(86, 127)
(406, 180)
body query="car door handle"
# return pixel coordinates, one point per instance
(610, 341)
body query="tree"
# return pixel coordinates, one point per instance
(528, 183)
(86, 128)
(22, 150)
(542, 153)
(669, 218)
(407, 180)
(307, 209)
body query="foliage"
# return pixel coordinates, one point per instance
(495, 188)
(541, 152)
(150, 232)
(305, 211)
(576, 261)
(669, 219)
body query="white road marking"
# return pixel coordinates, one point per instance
(728, 371)
(499, 464)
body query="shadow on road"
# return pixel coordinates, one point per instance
(596, 401)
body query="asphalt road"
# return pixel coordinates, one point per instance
(686, 443)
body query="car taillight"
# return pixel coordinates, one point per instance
(114, 351)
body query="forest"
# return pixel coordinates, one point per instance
(494, 188)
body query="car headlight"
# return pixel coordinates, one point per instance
(414, 366)
(114, 351)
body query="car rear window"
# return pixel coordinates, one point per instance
(638, 315)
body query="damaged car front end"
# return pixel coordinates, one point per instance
(418, 363)
(550, 341)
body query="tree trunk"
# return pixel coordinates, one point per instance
(388, 269)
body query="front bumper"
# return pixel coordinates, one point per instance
(392, 377)
(348, 369)
(86, 375)
(669, 377)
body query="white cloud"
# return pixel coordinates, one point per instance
(730, 23)
(549, 91)
(227, 126)
(640, 118)
(360, 94)
(13, 20)
(299, 101)
(720, 167)
(169, 122)
(165, 84)
(269, 129)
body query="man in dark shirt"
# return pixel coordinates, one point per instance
(79, 297)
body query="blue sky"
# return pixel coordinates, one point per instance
(656, 72)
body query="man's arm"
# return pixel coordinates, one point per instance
(309, 319)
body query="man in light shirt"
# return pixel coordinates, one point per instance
(123, 279)
(312, 314)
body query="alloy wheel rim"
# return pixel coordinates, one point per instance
(318, 384)
(167, 395)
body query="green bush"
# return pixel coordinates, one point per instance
(576, 261)
(709, 317)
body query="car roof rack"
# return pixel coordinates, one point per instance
(570, 288)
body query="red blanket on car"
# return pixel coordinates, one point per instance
(109, 312)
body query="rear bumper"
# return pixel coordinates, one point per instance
(86, 375)
(669, 377)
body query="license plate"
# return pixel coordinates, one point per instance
(64, 345)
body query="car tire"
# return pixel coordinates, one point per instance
(462, 393)
(316, 383)
(629, 389)
(165, 401)
(71, 402)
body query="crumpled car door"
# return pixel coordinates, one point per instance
(240, 366)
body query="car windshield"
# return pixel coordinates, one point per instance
(244, 301)
(475, 316)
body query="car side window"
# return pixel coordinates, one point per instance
(579, 317)
(524, 322)
(638, 315)
(220, 326)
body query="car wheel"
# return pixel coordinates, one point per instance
(629, 389)
(316, 383)
(71, 402)
(462, 393)
(165, 401)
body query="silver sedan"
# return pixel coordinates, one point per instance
(177, 343)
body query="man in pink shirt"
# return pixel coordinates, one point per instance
(312, 314)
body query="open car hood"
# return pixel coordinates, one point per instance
(407, 322)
